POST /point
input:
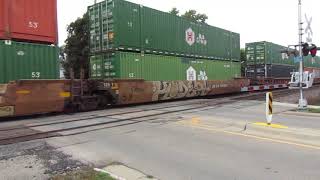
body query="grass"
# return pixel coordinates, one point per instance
(84, 174)
(314, 110)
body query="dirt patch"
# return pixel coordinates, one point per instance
(35, 160)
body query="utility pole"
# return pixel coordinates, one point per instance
(302, 101)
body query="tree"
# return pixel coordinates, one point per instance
(201, 18)
(174, 11)
(75, 53)
(192, 15)
(243, 60)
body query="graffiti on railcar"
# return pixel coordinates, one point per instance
(3, 88)
(6, 111)
(164, 90)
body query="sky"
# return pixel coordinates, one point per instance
(256, 20)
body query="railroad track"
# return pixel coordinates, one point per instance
(28, 132)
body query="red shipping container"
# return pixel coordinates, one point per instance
(3, 19)
(29, 20)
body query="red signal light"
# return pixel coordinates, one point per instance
(313, 51)
(305, 49)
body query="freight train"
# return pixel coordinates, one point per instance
(138, 55)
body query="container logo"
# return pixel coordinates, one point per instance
(190, 37)
(94, 67)
(201, 39)
(191, 74)
(202, 76)
(20, 53)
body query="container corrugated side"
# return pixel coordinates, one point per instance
(170, 33)
(29, 20)
(266, 53)
(120, 25)
(27, 61)
(127, 65)
(274, 56)
(166, 32)
(3, 19)
(312, 62)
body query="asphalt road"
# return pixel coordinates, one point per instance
(178, 146)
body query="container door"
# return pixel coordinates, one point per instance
(95, 28)
(110, 66)
(96, 65)
(34, 20)
(250, 54)
(261, 53)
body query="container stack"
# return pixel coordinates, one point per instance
(28, 40)
(264, 60)
(131, 41)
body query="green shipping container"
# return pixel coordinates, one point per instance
(266, 53)
(122, 25)
(150, 67)
(312, 61)
(27, 61)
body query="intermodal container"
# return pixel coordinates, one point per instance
(311, 61)
(2, 19)
(270, 71)
(29, 20)
(122, 25)
(20, 60)
(150, 67)
(267, 53)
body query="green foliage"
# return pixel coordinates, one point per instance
(174, 11)
(75, 53)
(314, 110)
(191, 15)
(243, 60)
(103, 176)
(83, 174)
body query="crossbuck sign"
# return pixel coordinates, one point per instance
(308, 29)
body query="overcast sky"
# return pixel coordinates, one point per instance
(255, 20)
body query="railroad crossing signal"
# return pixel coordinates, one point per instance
(269, 110)
(312, 49)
